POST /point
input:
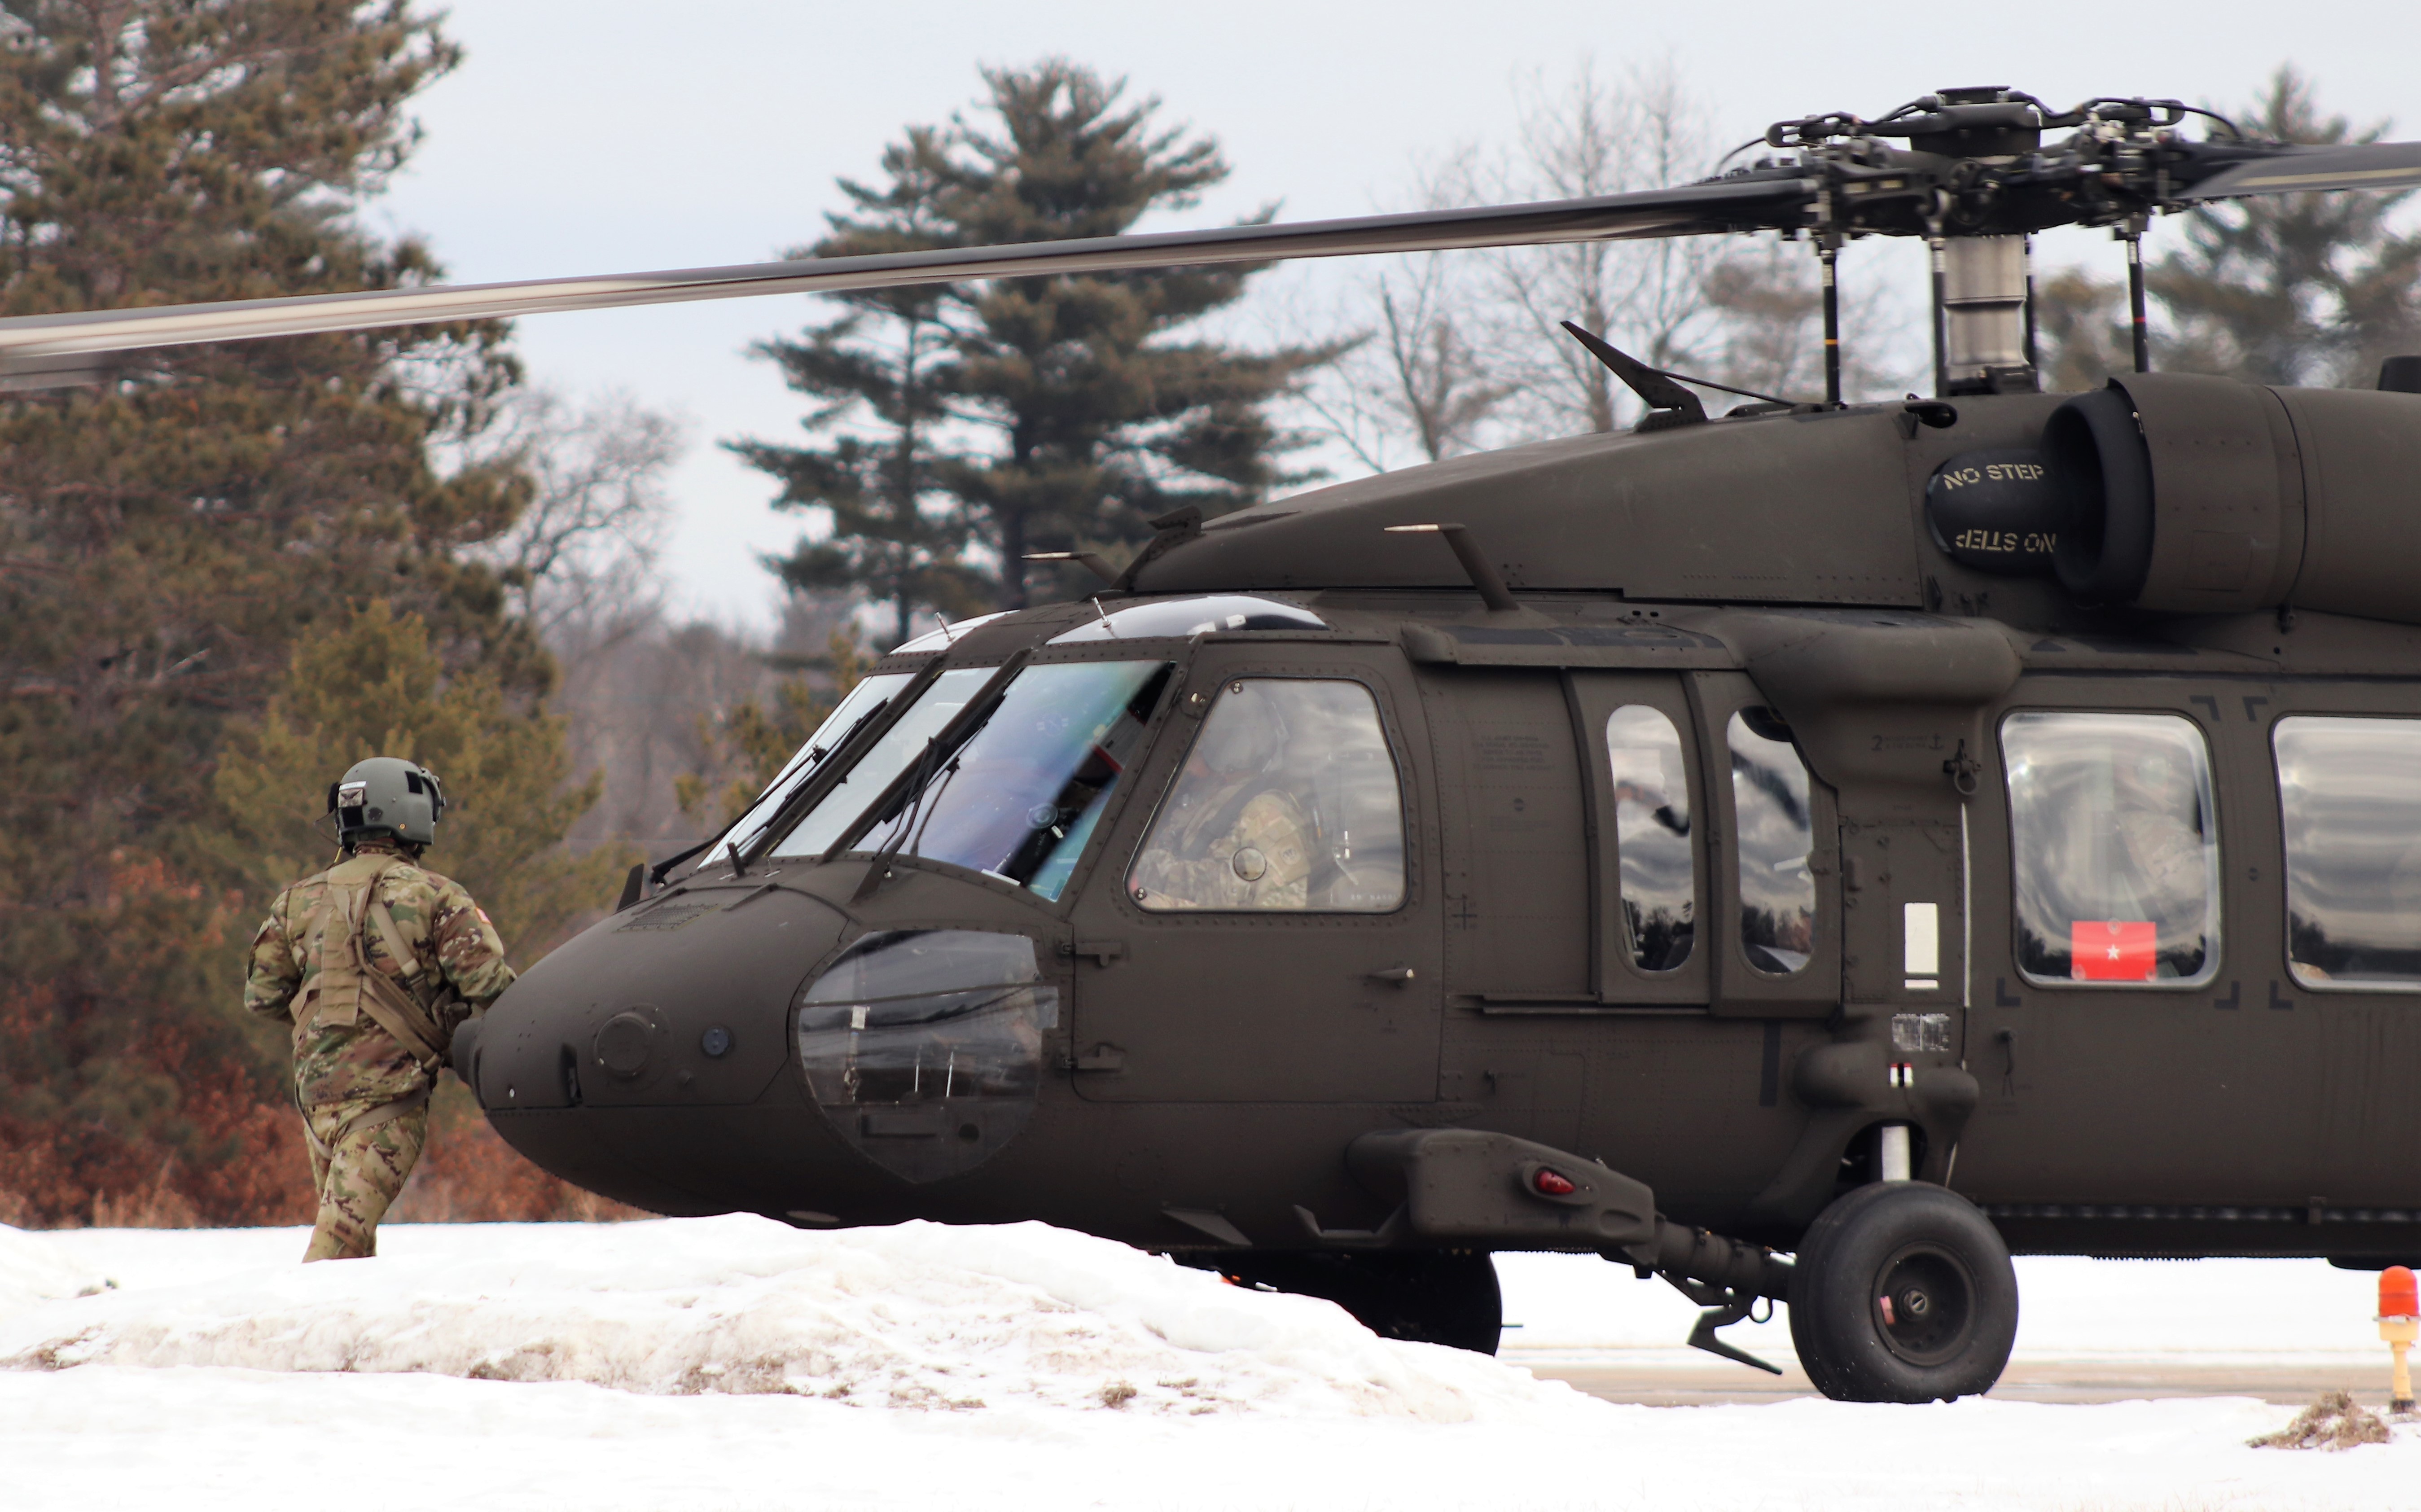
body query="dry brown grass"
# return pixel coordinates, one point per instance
(2333, 1422)
(260, 1175)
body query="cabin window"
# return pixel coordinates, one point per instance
(2115, 846)
(1288, 801)
(1651, 826)
(2350, 802)
(1771, 815)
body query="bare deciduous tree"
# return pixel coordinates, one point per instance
(580, 559)
(1765, 325)
(1413, 374)
(1591, 136)
(1459, 350)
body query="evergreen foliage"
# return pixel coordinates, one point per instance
(167, 539)
(2292, 289)
(1097, 415)
(376, 688)
(887, 359)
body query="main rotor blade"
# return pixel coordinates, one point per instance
(1768, 200)
(2295, 169)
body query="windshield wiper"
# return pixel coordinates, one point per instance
(836, 766)
(808, 769)
(912, 780)
(656, 874)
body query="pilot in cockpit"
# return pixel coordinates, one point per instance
(1234, 835)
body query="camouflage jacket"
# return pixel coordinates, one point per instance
(1261, 859)
(459, 969)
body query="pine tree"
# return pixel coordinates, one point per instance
(2081, 324)
(1103, 421)
(885, 364)
(1100, 416)
(377, 687)
(168, 537)
(2292, 289)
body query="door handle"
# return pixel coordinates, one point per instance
(1101, 952)
(1099, 1058)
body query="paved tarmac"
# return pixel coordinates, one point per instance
(1657, 1379)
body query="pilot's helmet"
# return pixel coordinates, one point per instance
(386, 796)
(1244, 733)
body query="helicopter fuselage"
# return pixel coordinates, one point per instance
(1799, 800)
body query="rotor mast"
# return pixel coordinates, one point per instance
(1983, 282)
(1985, 310)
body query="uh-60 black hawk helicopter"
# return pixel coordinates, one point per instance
(1898, 834)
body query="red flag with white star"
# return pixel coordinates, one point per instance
(2112, 950)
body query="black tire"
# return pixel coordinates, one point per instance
(1445, 1297)
(1903, 1292)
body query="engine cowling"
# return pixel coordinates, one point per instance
(2191, 494)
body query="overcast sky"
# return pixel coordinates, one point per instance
(612, 136)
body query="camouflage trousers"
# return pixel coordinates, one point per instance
(363, 1150)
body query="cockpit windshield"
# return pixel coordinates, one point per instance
(814, 834)
(861, 704)
(1019, 796)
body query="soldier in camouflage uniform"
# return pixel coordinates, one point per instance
(1234, 835)
(375, 962)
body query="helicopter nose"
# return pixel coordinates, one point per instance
(712, 1050)
(679, 1002)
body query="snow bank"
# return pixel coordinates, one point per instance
(33, 1270)
(920, 1316)
(244, 1440)
(698, 1365)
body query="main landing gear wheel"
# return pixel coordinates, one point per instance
(1445, 1297)
(1902, 1292)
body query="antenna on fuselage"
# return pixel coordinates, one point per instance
(1476, 564)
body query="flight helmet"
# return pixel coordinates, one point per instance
(1245, 732)
(389, 796)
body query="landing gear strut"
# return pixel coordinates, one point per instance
(1445, 1297)
(1902, 1292)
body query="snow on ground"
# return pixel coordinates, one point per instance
(917, 1315)
(34, 1270)
(699, 1364)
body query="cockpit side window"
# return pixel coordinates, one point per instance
(2350, 796)
(1771, 809)
(1652, 820)
(1289, 800)
(2115, 848)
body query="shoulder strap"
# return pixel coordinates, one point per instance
(347, 981)
(1221, 822)
(391, 1007)
(383, 922)
(396, 1011)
